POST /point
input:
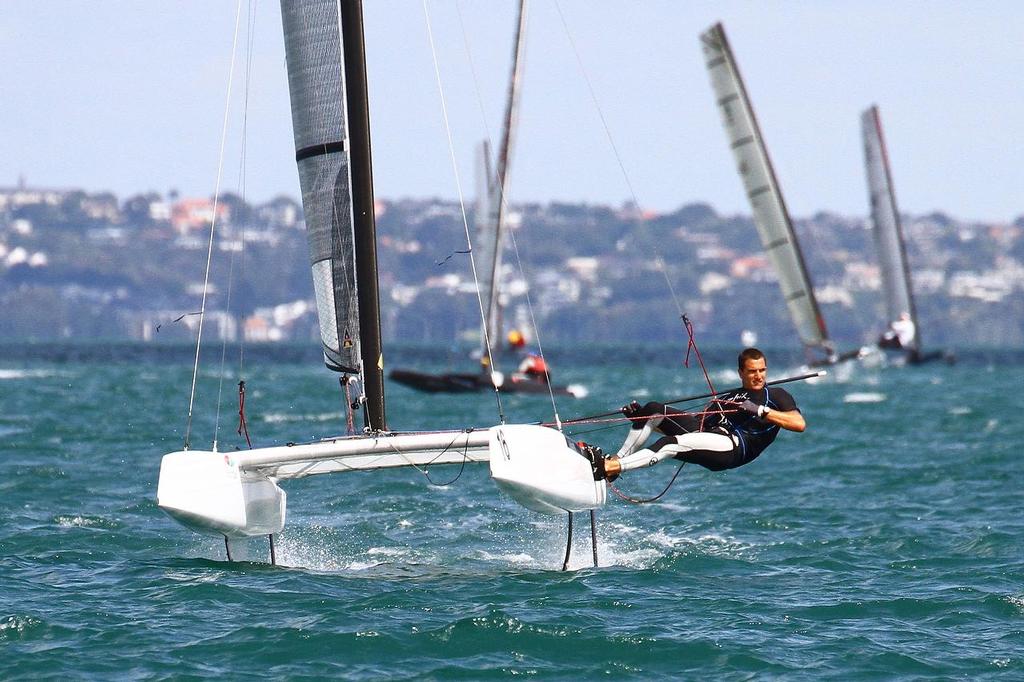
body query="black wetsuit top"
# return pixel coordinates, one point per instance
(754, 434)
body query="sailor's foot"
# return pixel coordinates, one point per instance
(598, 460)
(612, 468)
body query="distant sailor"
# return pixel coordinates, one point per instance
(738, 427)
(900, 334)
(534, 367)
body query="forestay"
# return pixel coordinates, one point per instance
(766, 202)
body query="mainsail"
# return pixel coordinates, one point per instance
(331, 126)
(769, 208)
(885, 219)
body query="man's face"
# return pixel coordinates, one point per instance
(754, 374)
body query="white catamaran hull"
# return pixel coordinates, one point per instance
(542, 470)
(237, 494)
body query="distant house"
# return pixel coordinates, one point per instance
(188, 215)
(282, 212)
(16, 197)
(756, 268)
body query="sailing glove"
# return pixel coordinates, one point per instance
(754, 409)
(632, 409)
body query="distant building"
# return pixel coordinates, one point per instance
(755, 268)
(188, 215)
(16, 197)
(281, 212)
(288, 321)
(585, 267)
(160, 211)
(102, 207)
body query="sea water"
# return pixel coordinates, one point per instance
(885, 542)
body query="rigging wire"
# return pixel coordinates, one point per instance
(648, 500)
(250, 31)
(660, 262)
(503, 200)
(426, 473)
(462, 204)
(213, 227)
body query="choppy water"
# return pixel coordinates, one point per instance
(885, 542)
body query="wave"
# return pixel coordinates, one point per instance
(865, 397)
(16, 374)
(280, 417)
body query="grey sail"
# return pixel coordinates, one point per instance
(766, 202)
(319, 120)
(885, 219)
(330, 119)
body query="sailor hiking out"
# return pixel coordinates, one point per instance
(734, 430)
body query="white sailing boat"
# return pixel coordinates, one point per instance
(904, 333)
(238, 494)
(766, 202)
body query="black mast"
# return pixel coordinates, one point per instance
(364, 225)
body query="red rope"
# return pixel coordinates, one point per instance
(637, 500)
(350, 422)
(692, 343)
(242, 426)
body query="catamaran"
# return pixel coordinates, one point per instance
(904, 333)
(771, 216)
(238, 494)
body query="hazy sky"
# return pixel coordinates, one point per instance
(129, 96)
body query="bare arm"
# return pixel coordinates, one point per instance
(791, 420)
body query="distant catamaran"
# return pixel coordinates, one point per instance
(236, 494)
(492, 224)
(766, 202)
(904, 333)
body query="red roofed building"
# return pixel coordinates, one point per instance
(196, 214)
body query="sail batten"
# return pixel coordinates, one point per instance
(771, 216)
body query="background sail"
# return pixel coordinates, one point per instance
(486, 217)
(766, 202)
(492, 191)
(885, 219)
(315, 81)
